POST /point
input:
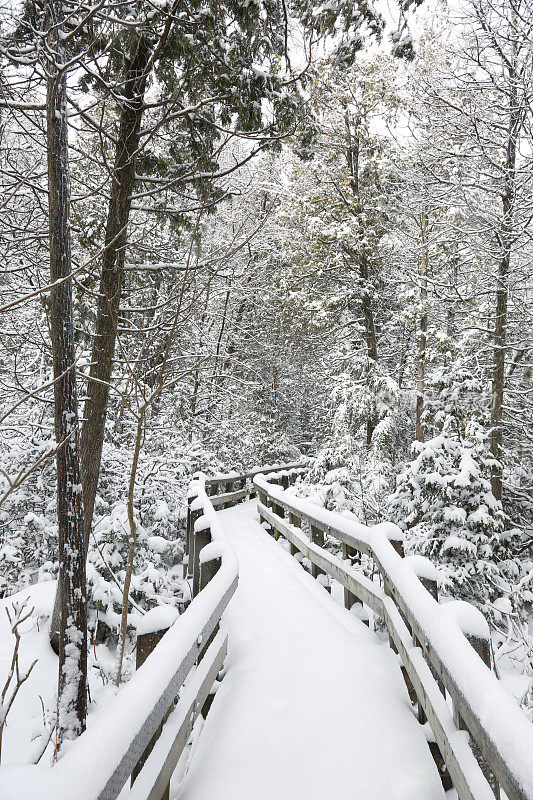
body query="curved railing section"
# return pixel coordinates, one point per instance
(444, 648)
(144, 729)
(226, 490)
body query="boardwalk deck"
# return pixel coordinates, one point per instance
(312, 706)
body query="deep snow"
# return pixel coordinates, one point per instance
(26, 716)
(312, 705)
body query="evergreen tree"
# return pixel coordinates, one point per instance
(444, 499)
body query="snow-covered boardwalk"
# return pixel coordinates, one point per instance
(313, 706)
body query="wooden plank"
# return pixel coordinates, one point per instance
(500, 768)
(298, 465)
(146, 644)
(229, 497)
(351, 541)
(458, 757)
(482, 647)
(358, 584)
(498, 764)
(161, 763)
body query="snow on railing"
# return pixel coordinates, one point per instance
(118, 741)
(239, 486)
(444, 649)
(226, 490)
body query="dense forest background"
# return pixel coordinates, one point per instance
(349, 280)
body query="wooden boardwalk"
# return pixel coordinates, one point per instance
(312, 705)
(309, 703)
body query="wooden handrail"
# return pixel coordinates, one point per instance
(124, 733)
(239, 486)
(437, 655)
(265, 470)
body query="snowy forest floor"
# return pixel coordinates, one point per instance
(36, 700)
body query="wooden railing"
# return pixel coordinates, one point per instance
(236, 488)
(444, 648)
(239, 486)
(144, 730)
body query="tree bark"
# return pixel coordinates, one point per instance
(502, 291)
(423, 327)
(72, 684)
(132, 541)
(352, 159)
(111, 280)
(112, 277)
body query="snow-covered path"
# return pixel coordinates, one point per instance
(313, 706)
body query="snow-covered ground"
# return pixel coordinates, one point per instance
(38, 694)
(312, 704)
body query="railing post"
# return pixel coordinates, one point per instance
(188, 548)
(317, 537)
(227, 488)
(349, 598)
(476, 630)
(201, 539)
(263, 500)
(280, 511)
(191, 520)
(297, 522)
(208, 569)
(146, 643)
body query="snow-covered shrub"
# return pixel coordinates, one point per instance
(156, 574)
(456, 396)
(445, 504)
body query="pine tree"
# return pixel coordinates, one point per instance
(444, 498)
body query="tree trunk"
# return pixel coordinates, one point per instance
(132, 541)
(105, 331)
(500, 322)
(352, 159)
(422, 333)
(72, 684)
(112, 276)
(368, 314)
